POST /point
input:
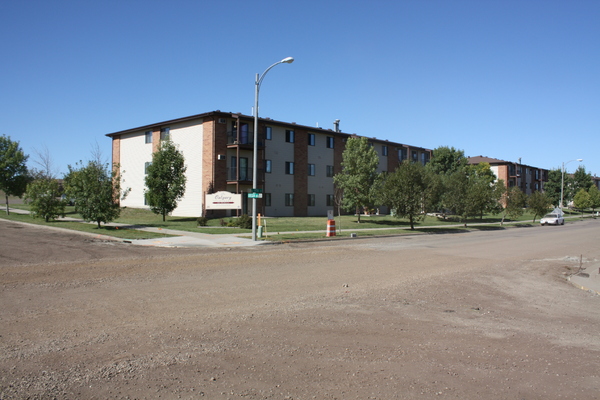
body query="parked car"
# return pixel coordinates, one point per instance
(552, 219)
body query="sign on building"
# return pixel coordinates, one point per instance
(223, 201)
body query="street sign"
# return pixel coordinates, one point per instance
(257, 191)
(255, 195)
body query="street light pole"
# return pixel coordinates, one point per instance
(562, 180)
(257, 82)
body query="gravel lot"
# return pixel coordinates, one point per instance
(478, 315)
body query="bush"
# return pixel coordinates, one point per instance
(202, 221)
(244, 222)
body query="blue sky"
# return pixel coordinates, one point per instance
(505, 79)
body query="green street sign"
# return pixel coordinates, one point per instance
(257, 191)
(255, 195)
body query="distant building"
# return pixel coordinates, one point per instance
(529, 179)
(296, 163)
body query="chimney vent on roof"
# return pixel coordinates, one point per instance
(336, 125)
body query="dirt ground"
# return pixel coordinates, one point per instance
(478, 315)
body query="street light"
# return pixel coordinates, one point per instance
(562, 180)
(259, 78)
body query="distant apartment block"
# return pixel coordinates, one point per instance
(296, 163)
(526, 177)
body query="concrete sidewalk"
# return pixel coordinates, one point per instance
(588, 278)
(179, 238)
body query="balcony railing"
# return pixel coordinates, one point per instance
(243, 174)
(244, 138)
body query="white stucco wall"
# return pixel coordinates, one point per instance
(189, 138)
(135, 153)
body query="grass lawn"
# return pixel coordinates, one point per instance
(273, 226)
(118, 232)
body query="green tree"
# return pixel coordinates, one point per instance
(582, 200)
(456, 195)
(13, 169)
(447, 160)
(581, 179)
(43, 195)
(539, 204)
(165, 181)
(553, 186)
(359, 174)
(514, 203)
(405, 191)
(594, 197)
(95, 190)
(484, 191)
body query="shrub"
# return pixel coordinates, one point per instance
(202, 221)
(244, 222)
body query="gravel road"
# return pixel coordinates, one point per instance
(477, 315)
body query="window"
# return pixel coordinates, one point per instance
(424, 158)
(146, 165)
(289, 136)
(384, 150)
(267, 199)
(164, 133)
(311, 139)
(402, 154)
(311, 200)
(330, 200)
(329, 171)
(289, 168)
(268, 166)
(268, 133)
(148, 137)
(414, 156)
(289, 199)
(311, 169)
(330, 142)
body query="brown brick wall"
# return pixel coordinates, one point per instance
(339, 145)
(503, 173)
(116, 150)
(155, 140)
(301, 173)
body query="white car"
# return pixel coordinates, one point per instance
(552, 219)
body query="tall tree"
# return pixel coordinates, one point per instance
(43, 195)
(165, 181)
(581, 179)
(456, 195)
(514, 203)
(447, 160)
(552, 188)
(359, 174)
(96, 191)
(484, 191)
(405, 191)
(539, 204)
(13, 169)
(594, 198)
(582, 200)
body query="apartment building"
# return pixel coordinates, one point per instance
(526, 177)
(296, 163)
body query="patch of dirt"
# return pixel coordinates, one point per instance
(480, 315)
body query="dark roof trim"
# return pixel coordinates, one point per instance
(267, 121)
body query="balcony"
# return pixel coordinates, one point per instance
(241, 175)
(245, 140)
